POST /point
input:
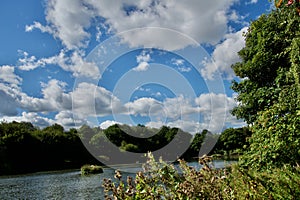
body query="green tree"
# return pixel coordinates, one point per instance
(233, 140)
(194, 148)
(269, 91)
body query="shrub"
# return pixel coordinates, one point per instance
(91, 169)
(160, 180)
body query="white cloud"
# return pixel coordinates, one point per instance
(172, 108)
(178, 107)
(92, 100)
(143, 106)
(9, 87)
(8, 103)
(31, 62)
(8, 76)
(31, 117)
(217, 109)
(143, 57)
(69, 20)
(180, 65)
(177, 62)
(80, 67)
(89, 100)
(252, 2)
(188, 126)
(143, 66)
(108, 123)
(38, 25)
(214, 110)
(54, 98)
(142, 61)
(184, 69)
(74, 63)
(224, 55)
(67, 119)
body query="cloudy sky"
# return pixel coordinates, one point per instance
(151, 62)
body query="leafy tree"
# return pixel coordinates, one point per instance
(86, 133)
(194, 148)
(269, 92)
(233, 140)
(281, 3)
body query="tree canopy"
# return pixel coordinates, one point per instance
(269, 92)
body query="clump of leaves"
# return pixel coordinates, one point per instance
(161, 180)
(280, 183)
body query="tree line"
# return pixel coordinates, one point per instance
(25, 148)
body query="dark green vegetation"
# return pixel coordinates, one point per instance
(269, 101)
(25, 148)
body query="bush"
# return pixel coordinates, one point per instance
(160, 180)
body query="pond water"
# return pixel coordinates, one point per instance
(63, 184)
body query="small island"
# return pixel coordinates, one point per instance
(91, 169)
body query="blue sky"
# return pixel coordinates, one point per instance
(161, 62)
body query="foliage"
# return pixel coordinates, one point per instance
(139, 139)
(276, 137)
(269, 93)
(161, 180)
(279, 183)
(265, 62)
(288, 3)
(25, 148)
(233, 140)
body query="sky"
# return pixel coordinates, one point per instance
(150, 62)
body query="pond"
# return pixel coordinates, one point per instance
(63, 184)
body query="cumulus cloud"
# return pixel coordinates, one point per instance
(92, 100)
(67, 119)
(74, 63)
(179, 63)
(9, 87)
(217, 109)
(208, 111)
(213, 108)
(142, 61)
(185, 125)
(8, 76)
(31, 117)
(143, 57)
(108, 123)
(143, 66)
(143, 106)
(224, 55)
(69, 20)
(88, 100)
(8, 104)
